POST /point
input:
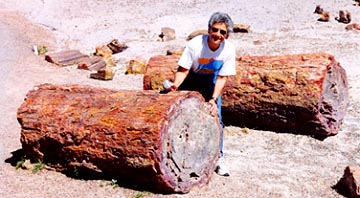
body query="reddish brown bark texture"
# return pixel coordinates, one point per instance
(158, 69)
(303, 93)
(65, 58)
(168, 141)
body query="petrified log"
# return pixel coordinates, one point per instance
(168, 141)
(349, 184)
(116, 46)
(303, 93)
(103, 74)
(136, 65)
(105, 52)
(66, 57)
(93, 63)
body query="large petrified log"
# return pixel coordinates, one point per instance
(303, 93)
(168, 141)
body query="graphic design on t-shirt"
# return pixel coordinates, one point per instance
(209, 68)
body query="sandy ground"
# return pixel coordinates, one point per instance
(262, 163)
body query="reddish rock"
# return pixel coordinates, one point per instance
(349, 184)
(136, 66)
(138, 136)
(66, 58)
(93, 63)
(242, 28)
(105, 52)
(103, 74)
(116, 46)
(167, 34)
(196, 33)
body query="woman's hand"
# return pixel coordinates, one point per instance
(169, 86)
(213, 107)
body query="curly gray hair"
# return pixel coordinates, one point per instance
(222, 18)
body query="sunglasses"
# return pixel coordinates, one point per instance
(223, 32)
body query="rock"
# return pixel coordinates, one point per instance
(116, 46)
(324, 17)
(196, 33)
(353, 26)
(349, 184)
(93, 63)
(344, 17)
(136, 66)
(167, 34)
(105, 52)
(241, 28)
(66, 57)
(103, 74)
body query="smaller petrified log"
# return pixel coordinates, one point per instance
(94, 63)
(103, 74)
(116, 46)
(168, 141)
(66, 58)
(303, 93)
(349, 184)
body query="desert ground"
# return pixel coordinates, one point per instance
(262, 163)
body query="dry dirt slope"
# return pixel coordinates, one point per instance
(263, 164)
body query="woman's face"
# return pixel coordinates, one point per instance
(217, 34)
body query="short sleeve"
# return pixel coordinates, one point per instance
(229, 68)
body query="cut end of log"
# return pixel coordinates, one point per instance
(188, 144)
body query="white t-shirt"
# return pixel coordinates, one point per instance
(198, 57)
